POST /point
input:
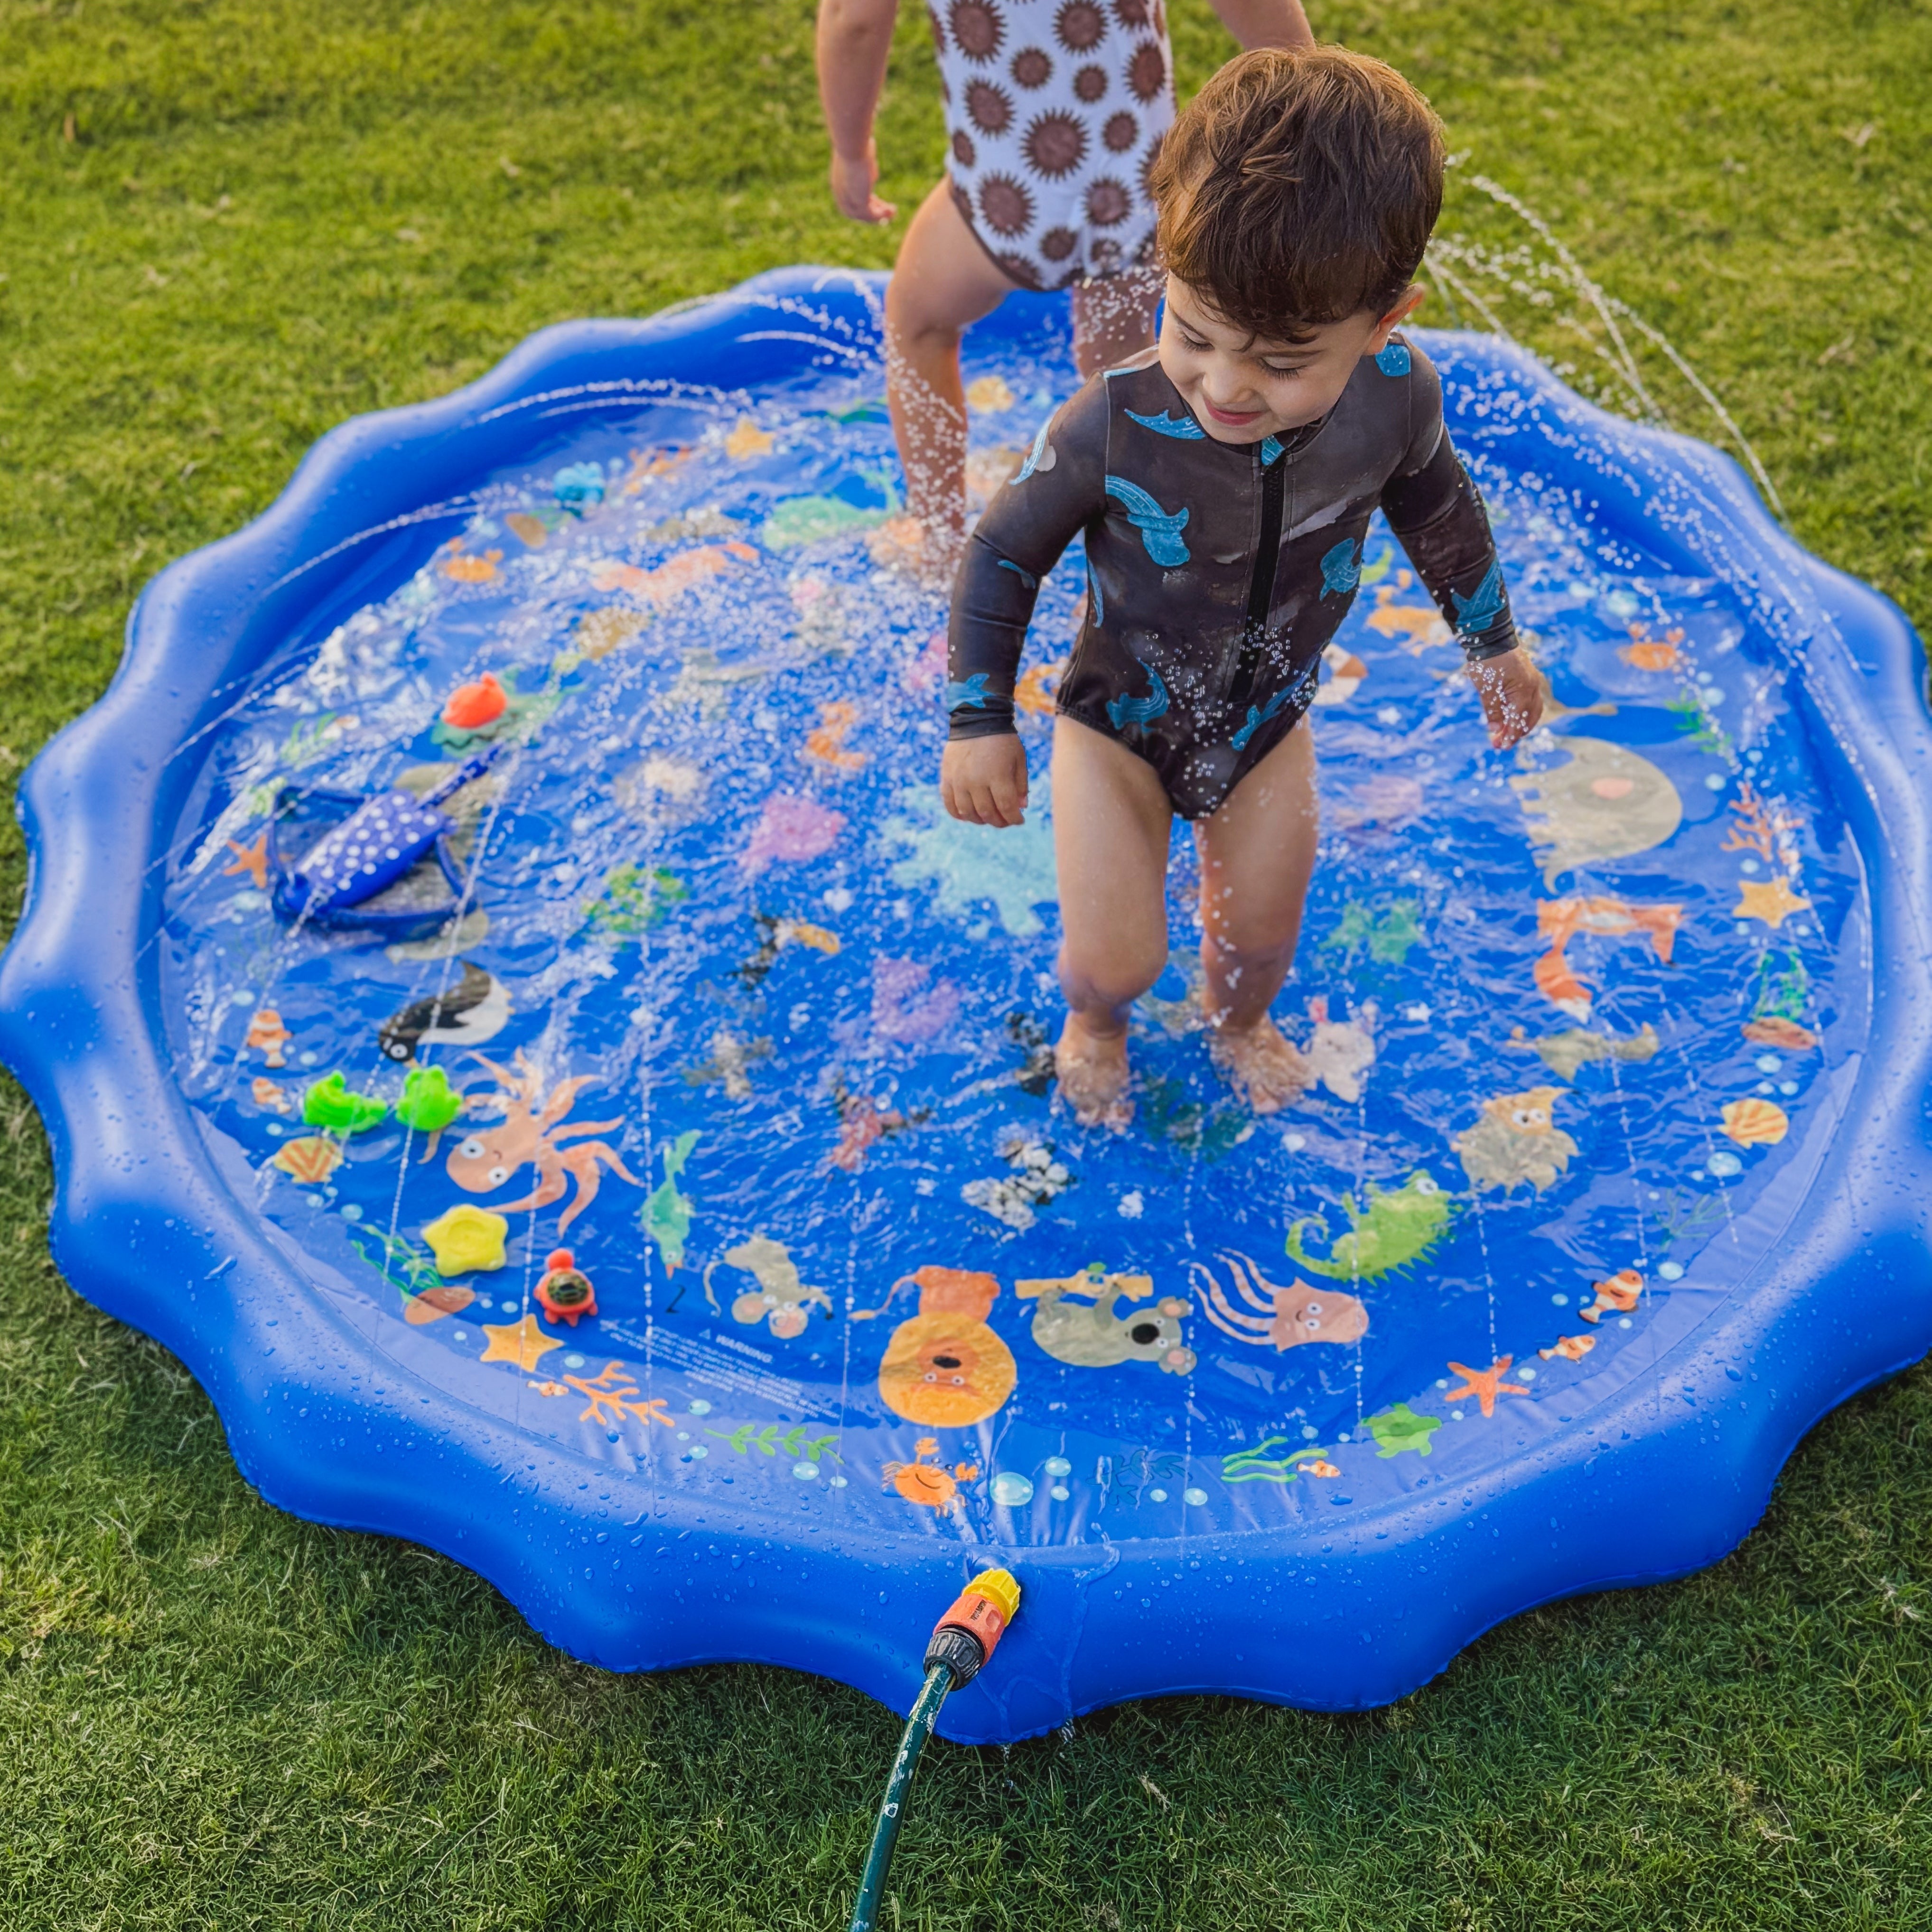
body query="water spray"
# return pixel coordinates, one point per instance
(961, 1643)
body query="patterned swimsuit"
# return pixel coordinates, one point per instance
(1056, 110)
(1217, 572)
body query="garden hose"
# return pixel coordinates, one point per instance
(961, 1642)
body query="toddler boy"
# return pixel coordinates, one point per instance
(1224, 481)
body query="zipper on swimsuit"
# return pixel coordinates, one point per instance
(1261, 587)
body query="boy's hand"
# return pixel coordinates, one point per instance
(852, 178)
(1512, 695)
(983, 780)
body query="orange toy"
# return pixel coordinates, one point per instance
(471, 706)
(564, 1293)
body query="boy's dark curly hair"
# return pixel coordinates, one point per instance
(1298, 189)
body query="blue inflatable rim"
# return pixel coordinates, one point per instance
(1659, 1481)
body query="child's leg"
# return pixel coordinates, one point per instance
(1113, 318)
(1111, 817)
(1257, 854)
(943, 281)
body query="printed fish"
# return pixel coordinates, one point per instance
(1483, 605)
(1564, 1053)
(268, 1036)
(1257, 716)
(1160, 529)
(1773, 1030)
(1604, 802)
(730, 1058)
(1570, 1348)
(1341, 569)
(1617, 1295)
(475, 1009)
(1183, 429)
(265, 1093)
(1125, 710)
(1559, 921)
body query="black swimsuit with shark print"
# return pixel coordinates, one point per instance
(1217, 572)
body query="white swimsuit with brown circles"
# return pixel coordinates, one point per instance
(1056, 109)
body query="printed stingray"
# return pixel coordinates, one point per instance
(684, 1232)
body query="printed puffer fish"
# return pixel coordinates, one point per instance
(1516, 1141)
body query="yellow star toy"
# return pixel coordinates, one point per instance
(522, 1342)
(467, 1239)
(1774, 903)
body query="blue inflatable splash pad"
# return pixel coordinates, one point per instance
(513, 1019)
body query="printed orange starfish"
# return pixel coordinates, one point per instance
(252, 859)
(1485, 1385)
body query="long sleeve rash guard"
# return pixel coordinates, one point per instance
(1217, 572)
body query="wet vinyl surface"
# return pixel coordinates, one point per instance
(731, 1012)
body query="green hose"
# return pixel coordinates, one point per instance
(898, 1788)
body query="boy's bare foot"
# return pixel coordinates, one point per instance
(1093, 1074)
(928, 554)
(1261, 1065)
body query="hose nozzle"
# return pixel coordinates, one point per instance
(965, 1637)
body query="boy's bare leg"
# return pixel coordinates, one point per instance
(1113, 318)
(943, 281)
(1110, 819)
(1257, 855)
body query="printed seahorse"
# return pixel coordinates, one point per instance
(1186, 430)
(1041, 457)
(1124, 710)
(1477, 612)
(1341, 568)
(1397, 1227)
(968, 693)
(1160, 531)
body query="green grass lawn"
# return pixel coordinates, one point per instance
(225, 226)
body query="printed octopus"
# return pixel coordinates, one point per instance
(529, 1133)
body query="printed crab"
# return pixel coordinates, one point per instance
(529, 1133)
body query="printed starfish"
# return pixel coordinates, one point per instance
(252, 859)
(522, 1342)
(748, 439)
(1485, 1385)
(1774, 903)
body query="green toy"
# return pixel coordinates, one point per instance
(1399, 1226)
(427, 1105)
(329, 1104)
